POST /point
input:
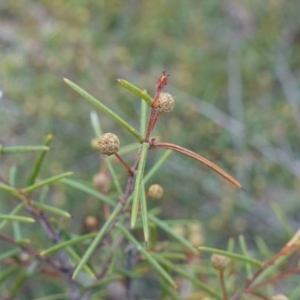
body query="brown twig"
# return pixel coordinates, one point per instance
(154, 115)
(197, 157)
(161, 82)
(53, 263)
(258, 295)
(276, 278)
(61, 266)
(288, 248)
(129, 170)
(221, 274)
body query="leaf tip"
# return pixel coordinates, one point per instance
(66, 80)
(132, 224)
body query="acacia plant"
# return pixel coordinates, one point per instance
(104, 263)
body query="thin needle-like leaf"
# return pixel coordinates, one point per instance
(70, 242)
(147, 256)
(52, 209)
(11, 190)
(230, 245)
(8, 272)
(97, 239)
(282, 218)
(10, 253)
(157, 165)
(21, 149)
(50, 180)
(198, 158)
(132, 88)
(13, 212)
(12, 175)
(43, 194)
(144, 214)
(16, 218)
(38, 163)
(164, 226)
(125, 149)
(95, 123)
(238, 257)
(143, 119)
(81, 187)
(245, 253)
(17, 233)
(77, 259)
(138, 183)
(103, 108)
(181, 271)
(54, 297)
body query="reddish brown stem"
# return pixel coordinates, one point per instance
(276, 278)
(258, 295)
(221, 274)
(247, 288)
(150, 125)
(56, 265)
(130, 172)
(154, 115)
(198, 158)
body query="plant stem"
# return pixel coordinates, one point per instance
(198, 158)
(284, 251)
(130, 172)
(221, 274)
(154, 114)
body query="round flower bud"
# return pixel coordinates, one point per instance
(91, 222)
(109, 143)
(219, 262)
(101, 181)
(94, 143)
(280, 297)
(155, 191)
(165, 103)
(195, 233)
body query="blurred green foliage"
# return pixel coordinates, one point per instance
(235, 74)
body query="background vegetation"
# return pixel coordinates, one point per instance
(235, 71)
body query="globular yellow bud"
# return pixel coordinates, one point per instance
(94, 143)
(219, 262)
(91, 222)
(109, 144)
(166, 103)
(155, 191)
(25, 258)
(195, 233)
(280, 297)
